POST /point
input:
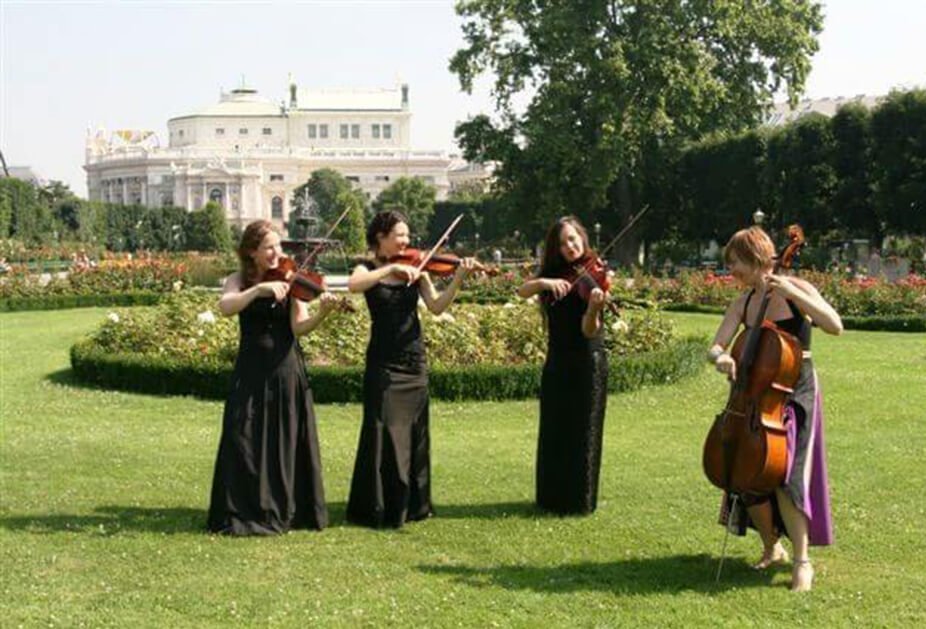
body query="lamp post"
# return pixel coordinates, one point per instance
(597, 236)
(477, 243)
(758, 217)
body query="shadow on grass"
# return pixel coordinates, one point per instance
(66, 378)
(493, 511)
(112, 520)
(676, 573)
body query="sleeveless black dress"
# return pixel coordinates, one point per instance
(573, 396)
(268, 474)
(392, 474)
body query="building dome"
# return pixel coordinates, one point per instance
(243, 101)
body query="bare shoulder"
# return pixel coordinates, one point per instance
(739, 303)
(233, 282)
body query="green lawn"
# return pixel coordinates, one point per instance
(104, 497)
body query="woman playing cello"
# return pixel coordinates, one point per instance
(800, 506)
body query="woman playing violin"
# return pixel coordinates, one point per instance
(268, 476)
(573, 389)
(391, 483)
(800, 507)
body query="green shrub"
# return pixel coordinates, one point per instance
(187, 325)
(61, 302)
(162, 375)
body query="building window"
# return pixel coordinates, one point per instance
(167, 199)
(323, 131)
(180, 133)
(355, 131)
(387, 131)
(343, 131)
(276, 207)
(266, 131)
(381, 178)
(312, 131)
(276, 177)
(353, 179)
(375, 131)
(220, 131)
(216, 195)
(243, 131)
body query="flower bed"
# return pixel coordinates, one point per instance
(855, 299)
(184, 346)
(115, 280)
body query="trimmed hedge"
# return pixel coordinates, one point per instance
(151, 374)
(60, 302)
(898, 323)
(874, 323)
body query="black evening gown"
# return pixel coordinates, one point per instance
(392, 474)
(268, 474)
(573, 395)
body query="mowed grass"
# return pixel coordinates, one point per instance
(104, 497)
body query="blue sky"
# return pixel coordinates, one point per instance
(65, 66)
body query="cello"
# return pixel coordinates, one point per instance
(746, 448)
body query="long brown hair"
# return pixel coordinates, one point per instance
(553, 262)
(253, 235)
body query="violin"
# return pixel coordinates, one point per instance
(746, 448)
(303, 284)
(585, 275)
(439, 264)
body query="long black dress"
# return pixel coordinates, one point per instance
(573, 395)
(268, 476)
(392, 473)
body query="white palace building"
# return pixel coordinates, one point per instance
(249, 154)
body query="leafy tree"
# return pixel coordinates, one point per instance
(853, 199)
(414, 198)
(614, 81)
(28, 218)
(898, 130)
(801, 178)
(332, 194)
(207, 229)
(352, 229)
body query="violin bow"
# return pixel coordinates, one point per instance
(621, 233)
(440, 241)
(321, 244)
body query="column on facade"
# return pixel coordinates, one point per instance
(189, 196)
(144, 191)
(125, 191)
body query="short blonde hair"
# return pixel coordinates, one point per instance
(752, 246)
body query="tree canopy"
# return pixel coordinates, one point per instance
(612, 83)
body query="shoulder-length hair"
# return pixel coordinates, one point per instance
(751, 246)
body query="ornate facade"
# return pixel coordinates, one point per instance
(250, 154)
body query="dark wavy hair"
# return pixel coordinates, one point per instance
(553, 262)
(383, 223)
(253, 235)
